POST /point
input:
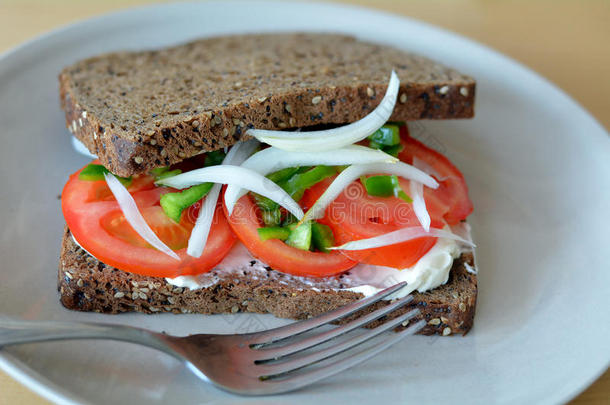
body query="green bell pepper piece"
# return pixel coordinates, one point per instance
(170, 173)
(283, 174)
(322, 237)
(393, 150)
(300, 236)
(267, 204)
(157, 171)
(294, 180)
(264, 203)
(273, 232)
(214, 158)
(387, 135)
(164, 172)
(384, 186)
(299, 182)
(375, 145)
(399, 192)
(378, 186)
(174, 203)
(93, 172)
(272, 218)
(289, 220)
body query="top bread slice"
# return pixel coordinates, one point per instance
(140, 110)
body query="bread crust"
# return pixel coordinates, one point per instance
(141, 110)
(86, 284)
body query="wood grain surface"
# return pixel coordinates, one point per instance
(566, 41)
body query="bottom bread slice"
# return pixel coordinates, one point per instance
(86, 284)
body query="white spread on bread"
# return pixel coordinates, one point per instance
(431, 271)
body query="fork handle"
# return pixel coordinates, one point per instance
(16, 331)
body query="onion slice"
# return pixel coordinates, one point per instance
(399, 236)
(312, 141)
(354, 172)
(417, 194)
(199, 235)
(273, 159)
(81, 148)
(240, 152)
(201, 230)
(426, 168)
(239, 176)
(419, 204)
(134, 217)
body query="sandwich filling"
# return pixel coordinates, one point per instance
(360, 218)
(430, 271)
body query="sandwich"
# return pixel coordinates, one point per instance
(272, 173)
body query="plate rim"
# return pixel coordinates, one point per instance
(52, 392)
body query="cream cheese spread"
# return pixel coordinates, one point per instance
(431, 271)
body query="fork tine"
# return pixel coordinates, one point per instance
(270, 370)
(273, 335)
(291, 348)
(301, 380)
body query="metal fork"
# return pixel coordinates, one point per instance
(269, 362)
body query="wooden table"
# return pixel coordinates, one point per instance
(565, 41)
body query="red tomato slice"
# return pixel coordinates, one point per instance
(356, 215)
(452, 192)
(97, 223)
(276, 253)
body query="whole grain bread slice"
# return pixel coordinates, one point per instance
(140, 110)
(86, 284)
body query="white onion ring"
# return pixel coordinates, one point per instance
(272, 159)
(335, 138)
(426, 168)
(242, 177)
(134, 217)
(199, 235)
(399, 236)
(240, 152)
(419, 204)
(354, 172)
(81, 148)
(201, 230)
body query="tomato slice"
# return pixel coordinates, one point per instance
(452, 191)
(356, 215)
(277, 254)
(97, 223)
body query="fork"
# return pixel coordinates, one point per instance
(269, 362)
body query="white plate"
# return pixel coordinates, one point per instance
(537, 165)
